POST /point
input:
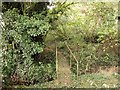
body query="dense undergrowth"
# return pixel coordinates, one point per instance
(28, 42)
(84, 81)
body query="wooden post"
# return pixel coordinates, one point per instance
(56, 61)
(77, 69)
(74, 58)
(70, 62)
(13, 44)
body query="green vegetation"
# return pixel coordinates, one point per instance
(76, 40)
(84, 81)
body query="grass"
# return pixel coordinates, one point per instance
(95, 80)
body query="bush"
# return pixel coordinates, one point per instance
(90, 60)
(23, 37)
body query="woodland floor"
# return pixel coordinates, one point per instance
(95, 80)
(103, 79)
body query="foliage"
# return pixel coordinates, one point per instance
(84, 81)
(18, 41)
(23, 39)
(87, 27)
(96, 21)
(25, 8)
(84, 26)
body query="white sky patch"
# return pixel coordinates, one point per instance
(50, 7)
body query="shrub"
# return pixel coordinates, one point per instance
(23, 37)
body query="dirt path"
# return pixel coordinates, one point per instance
(64, 72)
